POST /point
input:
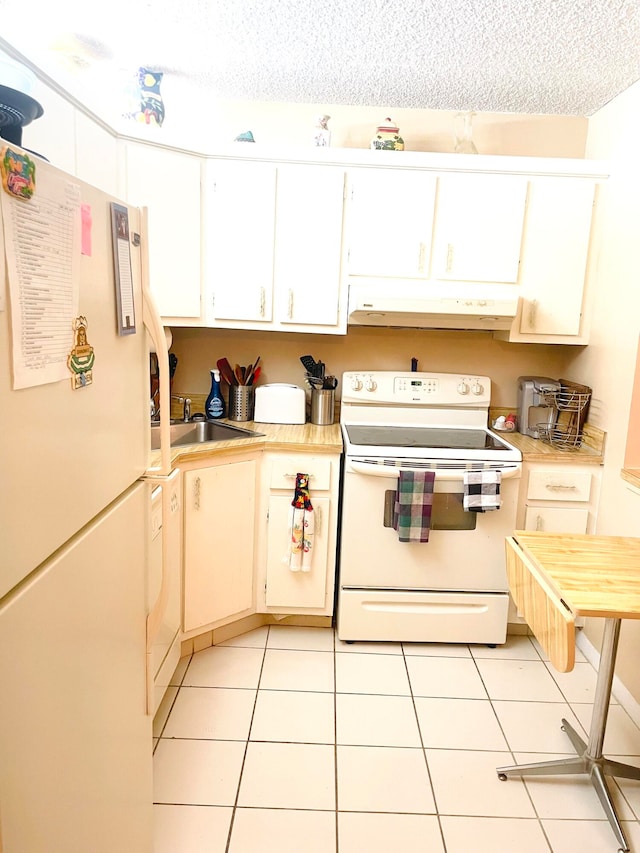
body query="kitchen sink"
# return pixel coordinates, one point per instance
(199, 432)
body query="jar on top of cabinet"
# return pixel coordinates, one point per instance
(387, 137)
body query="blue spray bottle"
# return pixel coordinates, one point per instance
(214, 407)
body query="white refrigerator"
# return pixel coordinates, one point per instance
(75, 726)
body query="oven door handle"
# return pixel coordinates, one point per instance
(442, 474)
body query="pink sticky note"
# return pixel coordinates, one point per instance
(86, 229)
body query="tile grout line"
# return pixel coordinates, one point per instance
(246, 746)
(511, 752)
(175, 699)
(424, 751)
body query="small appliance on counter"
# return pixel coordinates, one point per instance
(534, 409)
(280, 403)
(553, 411)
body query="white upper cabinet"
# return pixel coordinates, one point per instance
(96, 154)
(167, 182)
(238, 234)
(53, 135)
(555, 263)
(390, 222)
(308, 247)
(478, 227)
(273, 246)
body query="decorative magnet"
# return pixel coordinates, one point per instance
(18, 173)
(81, 358)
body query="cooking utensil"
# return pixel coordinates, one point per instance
(309, 364)
(256, 375)
(238, 374)
(250, 371)
(173, 363)
(225, 371)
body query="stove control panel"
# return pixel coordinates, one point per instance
(429, 389)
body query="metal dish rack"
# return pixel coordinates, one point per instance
(564, 429)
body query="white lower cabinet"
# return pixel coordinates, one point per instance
(559, 497)
(219, 524)
(279, 589)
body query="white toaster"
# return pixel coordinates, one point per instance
(280, 403)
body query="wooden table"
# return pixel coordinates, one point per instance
(554, 578)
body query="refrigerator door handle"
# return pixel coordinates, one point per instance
(153, 323)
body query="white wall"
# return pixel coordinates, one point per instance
(608, 363)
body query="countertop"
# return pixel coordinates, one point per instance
(591, 452)
(534, 450)
(309, 438)
(298, 438)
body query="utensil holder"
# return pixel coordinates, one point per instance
(323, 402)
(241, 402)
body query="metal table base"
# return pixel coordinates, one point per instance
(590, 761)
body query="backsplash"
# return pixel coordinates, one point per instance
(364, 349)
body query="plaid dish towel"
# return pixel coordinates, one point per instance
(412, 509)
(482, 491)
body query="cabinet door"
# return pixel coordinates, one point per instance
(53, 134)
(556, 519)
(285, 588)
(390, 222)
(555, 255)
(239, 221)
(96, 155)
(219, 538)
(478, 227)
(168, 184)
(308, 245)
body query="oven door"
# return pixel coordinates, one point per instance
(465, 550)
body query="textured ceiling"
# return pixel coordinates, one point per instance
(524, 56)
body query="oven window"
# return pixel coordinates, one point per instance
(447, 511)
(393, 436)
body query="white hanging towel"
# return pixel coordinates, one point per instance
(301, 527)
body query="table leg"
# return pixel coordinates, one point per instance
(590, 760)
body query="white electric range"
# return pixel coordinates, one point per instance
(452, 588)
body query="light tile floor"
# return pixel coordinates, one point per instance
(286, 740)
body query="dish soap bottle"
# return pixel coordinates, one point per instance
(214, 407)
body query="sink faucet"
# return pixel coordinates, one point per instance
(186, 401)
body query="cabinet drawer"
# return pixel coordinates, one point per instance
(285, 468)
(557, 519)
(553, 485)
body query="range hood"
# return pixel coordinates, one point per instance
(425, 305)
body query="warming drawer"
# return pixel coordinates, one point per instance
(417, 616)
